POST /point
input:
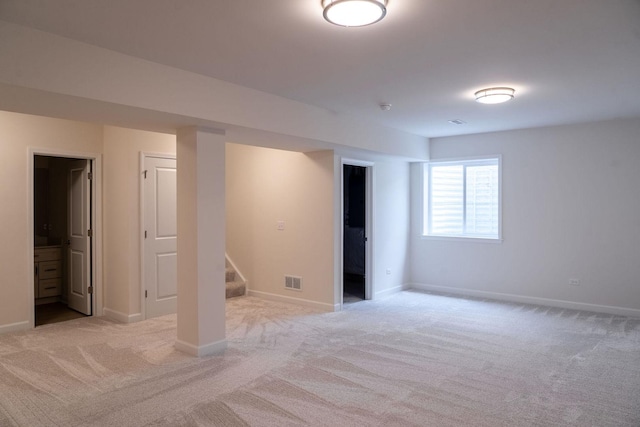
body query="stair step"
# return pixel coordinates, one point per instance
(235, 289)
(229, 274)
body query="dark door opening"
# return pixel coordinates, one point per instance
(62, 216)
(354, 241)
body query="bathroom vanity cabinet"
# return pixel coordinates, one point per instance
(48, 271)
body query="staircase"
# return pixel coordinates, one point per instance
(235, 286)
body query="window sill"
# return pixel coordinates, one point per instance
(462, 239)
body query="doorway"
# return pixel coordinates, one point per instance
(354, 222)
(62, 238)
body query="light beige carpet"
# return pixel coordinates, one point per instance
(412, 359)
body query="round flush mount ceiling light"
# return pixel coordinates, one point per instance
(495, 95)
(354, 13)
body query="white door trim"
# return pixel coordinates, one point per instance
(143, 156)
(96, 219)
(369, 289)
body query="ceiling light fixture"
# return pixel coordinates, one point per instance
(495, 95)
(354, 13)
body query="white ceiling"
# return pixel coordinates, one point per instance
(570, 61)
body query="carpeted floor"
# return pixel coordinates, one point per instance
(412, 359)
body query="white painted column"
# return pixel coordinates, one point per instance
(201, 241)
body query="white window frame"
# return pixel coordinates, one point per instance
(426, 194)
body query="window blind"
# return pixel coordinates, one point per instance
(463, 198)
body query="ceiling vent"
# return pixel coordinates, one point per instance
(457, 122)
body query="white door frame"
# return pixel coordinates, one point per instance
(143, 156)
(96, 221)
(369, 283)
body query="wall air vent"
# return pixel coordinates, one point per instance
(293, 282)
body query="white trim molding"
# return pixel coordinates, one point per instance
(291, 300)
(391, 291)
(15, 327)
(523, 299)
(122, 317)
(214, 348)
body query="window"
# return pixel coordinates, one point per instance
(462, 198)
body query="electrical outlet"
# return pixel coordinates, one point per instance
(280, 225)
(574, 282)
(388, 272)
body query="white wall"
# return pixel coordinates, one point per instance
(18, 133)
(120, 149)
(391, 226)
(265, 186)
(122, 231)
(571, 209)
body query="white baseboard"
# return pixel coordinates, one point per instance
(292, 300)
(620, 311)
(122, 317)
(391, 291)
(202, 350)
(136, 317)
(14, 327)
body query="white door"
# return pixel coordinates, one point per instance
(160, 245)
(79, 256)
